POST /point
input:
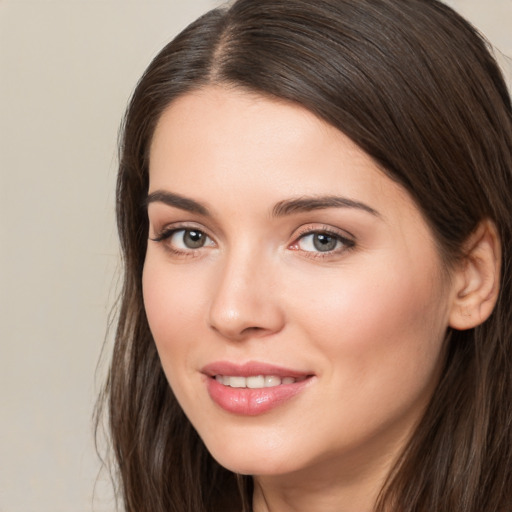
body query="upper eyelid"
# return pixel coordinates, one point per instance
(177, 226)
(322, 228)
(159, 224)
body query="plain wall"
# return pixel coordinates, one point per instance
(67, 69)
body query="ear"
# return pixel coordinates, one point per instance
(477, 278)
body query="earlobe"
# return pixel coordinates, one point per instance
(477, 278)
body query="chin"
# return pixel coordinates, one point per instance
(246, 466)
(257, 459)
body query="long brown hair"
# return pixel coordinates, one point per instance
(415, 86)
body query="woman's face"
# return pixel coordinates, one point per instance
(294, 292)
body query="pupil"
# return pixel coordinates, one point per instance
(324, 242)
(193, 239)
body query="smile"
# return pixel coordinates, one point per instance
(253, 388)
(255, 382)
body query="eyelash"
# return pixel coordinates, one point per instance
(168, 233)
(346, 243)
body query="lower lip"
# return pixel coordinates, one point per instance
(251, 402)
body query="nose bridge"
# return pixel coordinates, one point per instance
(243, 302)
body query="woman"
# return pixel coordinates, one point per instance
(314, 211)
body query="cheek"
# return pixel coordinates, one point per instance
(382, 330)
(172, 302)
(170, 299)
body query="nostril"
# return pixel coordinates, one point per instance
(253, 330)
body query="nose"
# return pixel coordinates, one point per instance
(245, 300)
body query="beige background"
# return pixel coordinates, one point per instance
(66, 71)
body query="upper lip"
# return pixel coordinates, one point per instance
(250, 369)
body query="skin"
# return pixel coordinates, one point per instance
(367, 320)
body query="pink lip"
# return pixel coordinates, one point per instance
(250, 369)
(251, 402)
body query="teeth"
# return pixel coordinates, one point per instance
(254, 382)
(237, 382)
(271, 381)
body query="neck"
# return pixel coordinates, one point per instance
(326, 493)
(343, 484)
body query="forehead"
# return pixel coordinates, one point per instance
(214, 141)
(249, 132)
(250, 120)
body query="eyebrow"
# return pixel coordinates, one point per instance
(281, 209)
(177, 201)
(307, 204)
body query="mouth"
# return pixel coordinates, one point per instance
(253, 388)
(256, 381)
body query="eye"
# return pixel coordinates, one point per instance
(189, 239)
(322, 242)
(183, 240)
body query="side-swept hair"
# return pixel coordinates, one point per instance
(416, 87)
